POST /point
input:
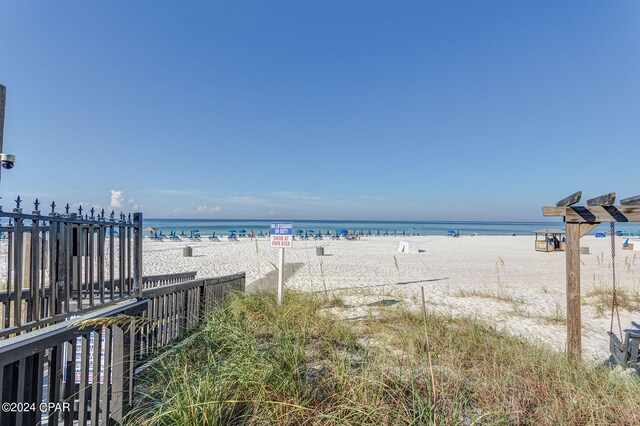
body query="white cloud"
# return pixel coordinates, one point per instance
(180, 193)
(117, 199)
(118, 202)
(244, 199)
(207, 209)
(298, 196)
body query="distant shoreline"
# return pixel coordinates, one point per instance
(221, 227)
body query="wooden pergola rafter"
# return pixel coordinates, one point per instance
(579, 221)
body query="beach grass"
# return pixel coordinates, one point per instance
(499, 295)
(601, 298)
(257, 363)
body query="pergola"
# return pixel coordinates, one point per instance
(579, 221)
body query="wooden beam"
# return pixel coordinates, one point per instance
(570, 200)
(574, 320)
(593, 214)
(631, 201)
(603, 200)
(585, 228)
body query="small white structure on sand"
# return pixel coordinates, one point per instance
(408, 247)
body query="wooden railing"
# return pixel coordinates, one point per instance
(151, 281)
(82, 371)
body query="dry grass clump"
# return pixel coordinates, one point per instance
(601, 298)
(256, 363)
(499, 295)
(556, 317)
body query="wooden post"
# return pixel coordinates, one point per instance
(574, 323)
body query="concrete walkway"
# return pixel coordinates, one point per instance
(270, 281)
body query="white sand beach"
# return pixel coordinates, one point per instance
(501, 279)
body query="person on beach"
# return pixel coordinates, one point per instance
(251, 234)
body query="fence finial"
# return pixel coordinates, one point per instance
(113, 215)
(66, 208)
(80, 211)
(36, 204)
(53, 207)
(18, 201)
(129, 217)
(92, 211)
(102, 214)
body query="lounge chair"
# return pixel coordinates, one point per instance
(627, 353)
(213, 237)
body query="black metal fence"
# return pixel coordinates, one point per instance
(82, 371)
(54, 265)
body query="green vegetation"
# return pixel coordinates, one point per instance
(259, 364)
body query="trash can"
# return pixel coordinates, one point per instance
(187, 251)
(584, 250)
(320, 251)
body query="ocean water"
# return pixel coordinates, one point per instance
(222, 226)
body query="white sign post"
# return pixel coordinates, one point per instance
(281, 236)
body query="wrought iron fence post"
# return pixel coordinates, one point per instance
(137, 253)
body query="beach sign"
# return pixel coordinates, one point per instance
(281, 234)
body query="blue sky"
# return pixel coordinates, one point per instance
(330, 110)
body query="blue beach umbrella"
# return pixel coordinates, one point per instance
(232, 231)
(299, 231)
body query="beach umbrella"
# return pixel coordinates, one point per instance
(232, 231)
(195, 230)
(344, 231)
(299, 231)
(243, 231)
(150, 230)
